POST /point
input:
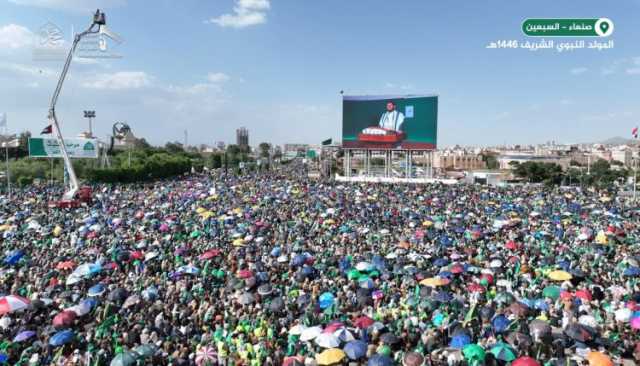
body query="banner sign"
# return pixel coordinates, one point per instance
(77, 148)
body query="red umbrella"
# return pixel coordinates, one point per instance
(13, 303)
(488, 277)
(244, 274)
(474, 287)
(333, 327)
(293, 361)
(210, 254)
(64, 319)
(525, 361)
(66, 265)
(511, 245)
(363, 322)
(565, 295)
(583, 294)
(136, 255)
(456, 269)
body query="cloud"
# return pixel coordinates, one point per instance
(119, 81)
(578, 70)
(13, 36)
(72, 5)
(634, 71)
(246, 13)
(566, 101)
(502, 115)
(26, 70)
(217, 77)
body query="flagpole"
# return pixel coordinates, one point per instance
(6, 154)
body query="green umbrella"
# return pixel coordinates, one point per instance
(384, 350)
(353, 274)
(124, 359)
(504, 352)
(195, 234)
(474, 353)
(552, 292)
(145, 350)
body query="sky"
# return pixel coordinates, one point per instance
(277, 67)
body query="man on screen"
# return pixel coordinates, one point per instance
(391, 119)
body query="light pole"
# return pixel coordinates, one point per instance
(90, 115)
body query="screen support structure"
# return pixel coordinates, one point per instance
(397, 164)
(95, 27)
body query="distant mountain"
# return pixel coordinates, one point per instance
(619, 141)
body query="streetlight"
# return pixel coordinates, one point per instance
(90, 115)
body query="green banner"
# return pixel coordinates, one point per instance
(76, 148)
(588, 27)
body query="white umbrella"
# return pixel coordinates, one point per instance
(364, 266)
(297, 329)
(588, 320)
(149, 256)
(623, 315)
(344, 335)
(327, 340)
(496, 263)
(310, 333)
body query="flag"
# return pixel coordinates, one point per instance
(3, 120)
(47, 130)
(634, 132)
(326, 142)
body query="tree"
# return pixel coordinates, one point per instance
(23, 150)
(574, 163)
(215, 161)
(490, 161)
(174, 147)
(141, 143)
(264, 149)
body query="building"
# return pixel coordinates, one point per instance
(242, 137)
(458, 159)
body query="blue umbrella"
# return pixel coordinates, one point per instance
(500, 323)
(150, 293)
(440, 262)
(13, 257)
(298, 260)
(24, 335)
(3, 358)
(326, 300)
(632, 272)
(355, 349)
(460, 340)
(275, 252)
(540, 304)
(380, 360)
(442, 296)
(61, 338)
(446, 274)
(96, 290)
(188, 269)
(367, 284)
(445, 241)
(90, 303)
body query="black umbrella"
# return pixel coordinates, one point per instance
(389, 338)
(487, 312)
(276, 305)
(579, 332)
(303, 300)
(118, 295)
(539, 330)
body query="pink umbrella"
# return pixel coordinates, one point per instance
(332, 327)
(13, 303)
(164, 228)
(64, 319)
(210, 254)
(635, 323)
(206, 356)
(245, 273)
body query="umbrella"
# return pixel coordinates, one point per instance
(504, 352)
(66, 265)
(442, 296)
(539, 329)
(188, 269)
(96, 290)
(327, 340)
(211, 253)
(435, 281)
(474, 353)
(364, 266)
(293, 361)
(11, 303)
(131, 301)
(330, 356)
(623, 315)
(118, 295)
(124, 359)
(552, 292)
(525, 361)
(64, 319)
(23, 336)
(519, 340)
(380, 360)
(632, 272)
(84, 307)
(86, 270)
(13, 257)
(276, 305)
(355, 349)
(363, 322)
(389, 338)
(460, 340)
(518, 309)
(206, 355)
(310, 333)
(145, 350)
(599, 359)
(61, 338)
(326, 300)
(246, 298)
(635, 323)
(578, 332)
(265, 289)
(412, 359)
(297, 329)
(500, 323)
(559, 275)
(344, 335)
(583, 294)
(244, 274)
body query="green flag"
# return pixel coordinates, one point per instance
(327, 142)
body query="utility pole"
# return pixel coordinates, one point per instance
(90, 115)
(185, 139)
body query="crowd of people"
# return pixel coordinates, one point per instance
(279, 270)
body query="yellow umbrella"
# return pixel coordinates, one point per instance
(601, 238)
(427, 223)
(605, 199)
(57, 231)
(330, 356)
(4, 227)
(434, 282)
(329, 222)
(560, 275)
(238, 242)
(206, 214)
(200, 210)
(237, 210)
(212, 198)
